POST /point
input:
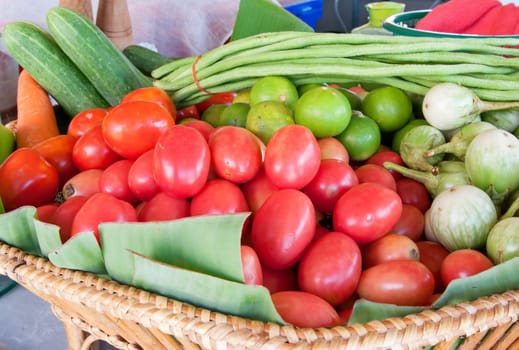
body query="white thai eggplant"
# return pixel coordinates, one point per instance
(503, 240)
(416, 142)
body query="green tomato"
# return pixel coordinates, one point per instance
(7, 142)
(390, 107)
(362, 137)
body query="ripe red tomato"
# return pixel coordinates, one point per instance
(84, 183)
(204, 127)
(463, 263)
(27, 179)
(252, 273)
(235, 153)
(218, 196)
(400, 282)
(282, 228)
(132, 128)
(411, 222)
(141, 182)
(331, 267)
(258, 189)
(376, 173)
(278, 280)
(181, 161)
(292, 157)
(162, 207)
(44, 212)
(57, 151)
(303, 309)
(367, 212)
(432, 255)
(85, 120)
(152, 94)
(114, 181)
(414, 193)
(387, 156)
(187, 112)
(333, 179)
(390, 247)
(331, 148)
(225, 98)
(92, 152)
(64, 215)
(99, 208)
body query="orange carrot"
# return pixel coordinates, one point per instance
(36, 120)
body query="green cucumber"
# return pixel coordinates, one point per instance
(35, 50)
(145, 59)
(94, 54)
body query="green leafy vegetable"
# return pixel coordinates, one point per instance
(17, 229)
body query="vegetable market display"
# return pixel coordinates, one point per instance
(271, 175)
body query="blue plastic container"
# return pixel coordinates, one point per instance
(307, 11)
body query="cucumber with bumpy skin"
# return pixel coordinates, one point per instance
(145, 59)
(94, 54)
(35, 50)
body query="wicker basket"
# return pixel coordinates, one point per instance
(94, 308)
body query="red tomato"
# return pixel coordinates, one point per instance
(218, 196)
(463, 263)
(92, 152)
(390, 247)
(282, 228)
(141, 182)
(303, 309)
(204, 127)
(292, 157)
(114, 181)
(331, 148)
(181, 161)
(258, 189)
(27, 179)
(331, 268)
(400, 282)
(367, 212)
(65, 213)
(99, 208)
(85, 183)
(432, 255)
(414, 193)
(220, 98)
(163, 207)
(333, 179)
(376, 173)
(46, 211)
(235, 153)
(252, 273)
(152, 94)
(187, 112)
(387, 156)
(57, 151)
(278, 280)
(85, 120)
(411, 222)
(132, 128)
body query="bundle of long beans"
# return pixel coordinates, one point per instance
(489, 66)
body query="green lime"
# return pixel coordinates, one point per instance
(274, 88)
(399, 134)
(243, 96)
(323, 110)
(7, 142)
(235, 114)
(362, 137)
(389, 106)
(212, 114)
(265, 118)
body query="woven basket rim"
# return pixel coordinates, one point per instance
(172, 316)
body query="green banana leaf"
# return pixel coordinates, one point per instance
(263, 16)
(17, 229)
(80, 252)
(495, 280)
(208, 244)
(204, 290)
(48, 236)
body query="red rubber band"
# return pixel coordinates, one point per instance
(197, 83)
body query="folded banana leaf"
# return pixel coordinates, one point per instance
(204, 290)
(48, 237)
(17, 228)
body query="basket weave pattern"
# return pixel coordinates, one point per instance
(94, 308)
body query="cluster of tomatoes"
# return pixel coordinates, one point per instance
(324, 230)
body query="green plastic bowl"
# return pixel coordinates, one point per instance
(403, 24)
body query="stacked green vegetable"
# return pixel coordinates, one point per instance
(413, 64)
